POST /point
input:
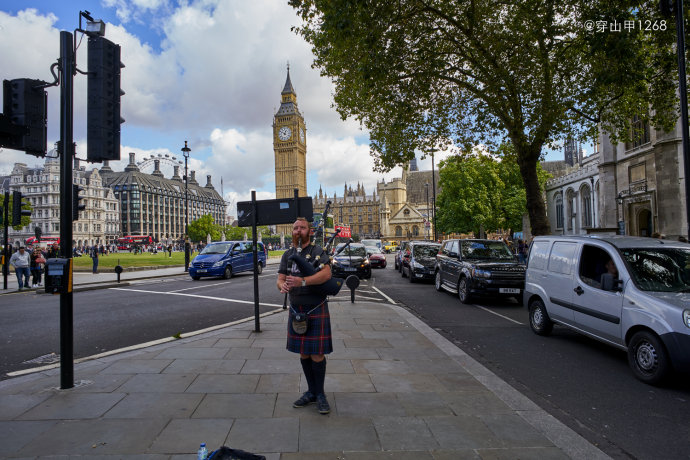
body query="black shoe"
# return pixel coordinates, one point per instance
(322, 404)
(306, 399)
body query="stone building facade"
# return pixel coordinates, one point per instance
(151, 204)
(97, 224)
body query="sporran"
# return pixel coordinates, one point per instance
(300, 323)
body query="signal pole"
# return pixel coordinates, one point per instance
(66, 151)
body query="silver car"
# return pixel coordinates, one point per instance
(632, 293)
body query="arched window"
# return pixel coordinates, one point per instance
(559, 210)
(398, 230)
(586, 198)
(415, 230)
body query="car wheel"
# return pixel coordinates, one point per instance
(539, 319)
(410, 275)
(259, 268)
(402, 271)
(648, 358)
(196, 278)
(463, 290)
(227, 274)
(437, 281)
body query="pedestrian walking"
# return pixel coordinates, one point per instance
(20, 261)
(36, 266)
(94, 257)
(307, 301)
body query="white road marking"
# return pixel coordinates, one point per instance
(347, 297)
(498, 314)
(384, 295)
(222, 299)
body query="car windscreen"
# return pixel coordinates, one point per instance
(357, 251)
(486, 250)
(216, 248)
(425, 250)
(659, 270)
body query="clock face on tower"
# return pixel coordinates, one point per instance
(285, 133)
(301, 135)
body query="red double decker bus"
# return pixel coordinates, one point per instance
(45, 241)
(127, 241)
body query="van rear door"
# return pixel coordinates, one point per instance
(558, 281)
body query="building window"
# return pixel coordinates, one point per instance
(639, 133)
(398, 230)
(586, 197)
(559, 210)
(415, 230)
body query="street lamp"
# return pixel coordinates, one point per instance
(592, 195)
(426, 186)
(185, 153)
(433, 200)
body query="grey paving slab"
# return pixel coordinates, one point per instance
(514, 431)
(348, 334)
(381, 335)
(338, 433)
(528, 453)
(275, 383)
(457, 454)
(265, 434)
(234, 334)
(354, 383)
(155, 383)
(367, 404)
(15, 435)
(378, 366)
(269, 343)
(12, 406)
(205, 366)
(459, 381)
(398, 383)
(366, 343)
(192, 353)
(480, 401)
(339, 366)
(434, 366)
(155, 405)
(102, 383)
(204, 343)
(272, 366)
(406, 353)
(228, 343)
(418, 404)
(270, 331)
(137, 366)
(394, 455)
(236, 406)
(244, 353)
(210, 383)
(461, 432)
(96, 437)
(72, 405)
(354, 353)
(404, 433)
(183, 436)
(277, 353)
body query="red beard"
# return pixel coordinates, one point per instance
(296, 238)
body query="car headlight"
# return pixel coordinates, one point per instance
(365, 263)
(417, 265)
(686, 318)
(335, 263)
(479, 273)
(219, 263)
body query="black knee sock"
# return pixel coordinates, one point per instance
(308, 373)
(319, 370)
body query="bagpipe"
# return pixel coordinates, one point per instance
(309, 267)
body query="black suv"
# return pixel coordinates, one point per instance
(476, 267)
(419, 261)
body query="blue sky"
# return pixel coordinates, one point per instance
(206, 71)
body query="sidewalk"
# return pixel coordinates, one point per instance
(398, 390)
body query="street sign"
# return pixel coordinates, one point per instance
(344, 231)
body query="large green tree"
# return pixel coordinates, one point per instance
(202, 227)
(431, 74)
(482, 190)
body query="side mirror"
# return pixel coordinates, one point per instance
(609, 283)
(453, 254)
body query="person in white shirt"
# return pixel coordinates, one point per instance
(20, 262)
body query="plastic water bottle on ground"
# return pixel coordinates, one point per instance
(202, 453)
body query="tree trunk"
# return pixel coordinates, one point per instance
(536, 206)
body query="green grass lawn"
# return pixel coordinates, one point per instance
(141, 260)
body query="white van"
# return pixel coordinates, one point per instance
(629, 292)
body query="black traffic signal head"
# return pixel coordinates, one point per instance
(103, 100)
(38, 232)
(17, 211)
(76, 207)
(25, 105)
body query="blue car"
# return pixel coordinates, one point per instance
(225, 258)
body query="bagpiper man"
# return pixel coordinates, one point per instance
(309, 323)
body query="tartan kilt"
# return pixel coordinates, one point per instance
(317, 339)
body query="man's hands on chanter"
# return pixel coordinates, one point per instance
(287, 282)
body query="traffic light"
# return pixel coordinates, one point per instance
(38, 232)
(76, 207)
(24, 108)
(17, 211)
(103, 100)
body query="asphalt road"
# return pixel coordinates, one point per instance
(583, 383)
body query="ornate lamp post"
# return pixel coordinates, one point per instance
(185, 153)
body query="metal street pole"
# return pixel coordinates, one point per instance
(185, 153)
(6, 247)
(428, 215)
(66, 155)
(433, 199)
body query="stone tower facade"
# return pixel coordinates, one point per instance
(289, 147)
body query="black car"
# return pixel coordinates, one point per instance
(477, 267)
(419, 261)
(352, 260)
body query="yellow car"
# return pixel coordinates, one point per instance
(390, 246)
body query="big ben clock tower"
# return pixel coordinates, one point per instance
(290, 148)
